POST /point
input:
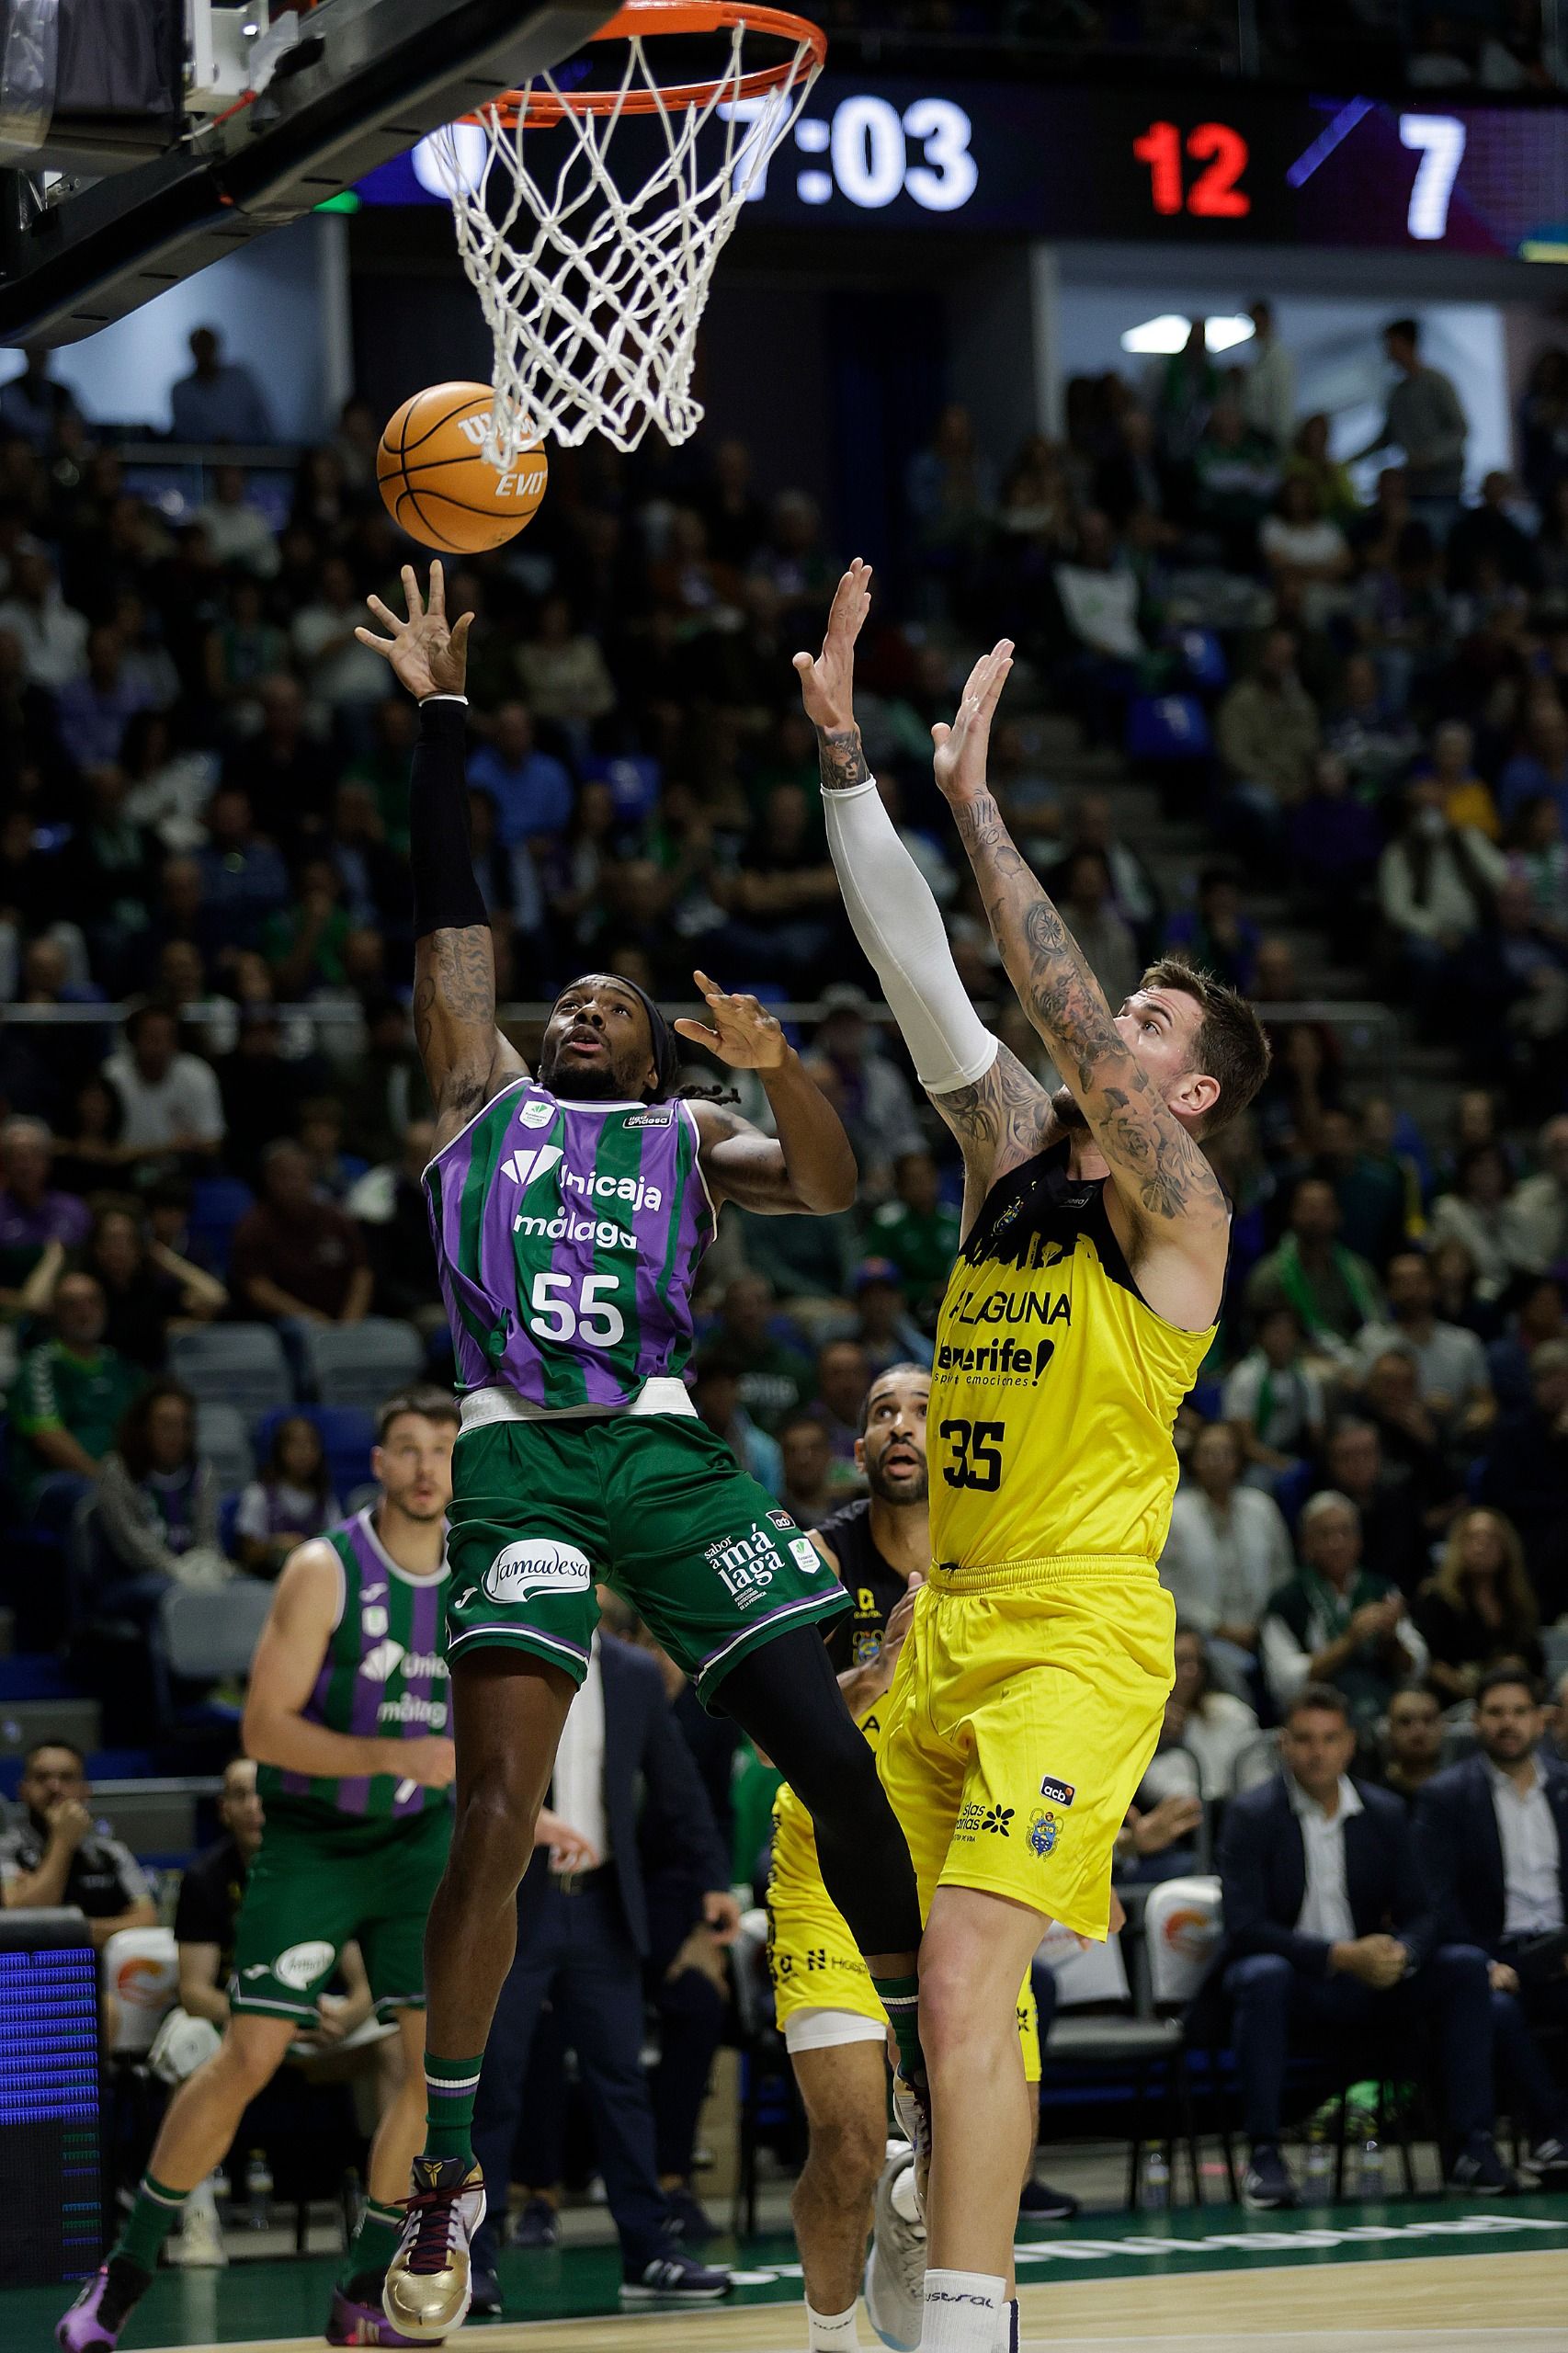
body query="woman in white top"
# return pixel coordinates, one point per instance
(1473, 1213)
(1215, 1725)
(1227, 1552)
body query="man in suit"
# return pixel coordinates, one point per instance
(1328, 1929)
(1491, 1846)
(623, 1775)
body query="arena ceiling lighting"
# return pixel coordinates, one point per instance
(1158, 337)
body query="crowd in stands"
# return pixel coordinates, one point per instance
(202, 888)
(217, 1125)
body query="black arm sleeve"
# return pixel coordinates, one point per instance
(441, 846)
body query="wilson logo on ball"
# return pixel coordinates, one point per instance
(436, 483)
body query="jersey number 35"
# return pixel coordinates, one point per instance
(977, 1454)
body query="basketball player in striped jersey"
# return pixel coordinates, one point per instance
(1033, 1684)
(347, 1714)
(570, 1211)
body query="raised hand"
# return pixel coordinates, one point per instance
(961, 749)
(742, 1034)
(428, 656)
(827, 685)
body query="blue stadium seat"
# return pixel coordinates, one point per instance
(348, 1434)
(217, 1205)
(359, 1364)
(223, 1435)
(241, 1365)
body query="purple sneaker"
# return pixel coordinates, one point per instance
(100, 2311)
(358, 2318)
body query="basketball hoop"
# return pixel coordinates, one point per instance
(593, 291)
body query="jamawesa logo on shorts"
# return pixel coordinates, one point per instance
(663, 1118)
(525, 1168)
(302, 1964)
(541, 1566)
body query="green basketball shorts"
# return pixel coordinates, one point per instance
(320, 1880)
(653, 1504)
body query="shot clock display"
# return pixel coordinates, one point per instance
(1237, 168)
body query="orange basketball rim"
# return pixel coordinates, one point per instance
(642, 19)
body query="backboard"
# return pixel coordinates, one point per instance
(350, 84)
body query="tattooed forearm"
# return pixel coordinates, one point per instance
(1161, 1169)
(1006, 1113)
(454, 1006)
(841, 759)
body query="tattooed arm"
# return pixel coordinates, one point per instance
(466, 1058)
(998, 1112)
(1169, 1207)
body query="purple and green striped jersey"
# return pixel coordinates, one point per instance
(384, 1678)
(567, 1235)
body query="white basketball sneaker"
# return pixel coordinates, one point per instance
(895, 2268)
(198, 2245)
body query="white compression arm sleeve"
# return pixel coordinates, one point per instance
(899, 925)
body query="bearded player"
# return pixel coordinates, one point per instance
(570, 1213)
(1032, 1685)
(834, 2028)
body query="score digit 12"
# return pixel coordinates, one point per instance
(1214, 192)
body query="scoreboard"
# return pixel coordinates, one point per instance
(1226, 167)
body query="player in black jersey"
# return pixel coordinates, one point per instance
(834, 2025)
(834, 2028)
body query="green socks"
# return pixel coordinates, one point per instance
(149, 2222)
(900, 1997)
(374, 2243)
(450, 2087)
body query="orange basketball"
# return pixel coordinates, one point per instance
(438, 486)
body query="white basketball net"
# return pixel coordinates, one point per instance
(593, 294)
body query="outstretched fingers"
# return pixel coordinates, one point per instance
(438, 589)
(410, 591)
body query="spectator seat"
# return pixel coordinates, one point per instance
(223, 1436)
(1256, 1763)
(217, 1205)
(360, 1364)
(241, 1365)
(209, 1636)
(1121, 2039)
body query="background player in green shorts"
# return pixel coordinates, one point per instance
(569, 1211)
(347, 1716)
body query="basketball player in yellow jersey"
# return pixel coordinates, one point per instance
(1032, 1687)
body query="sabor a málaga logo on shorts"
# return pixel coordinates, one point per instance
(746, 1564)
(540, 1566)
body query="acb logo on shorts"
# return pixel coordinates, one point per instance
(540, 1565)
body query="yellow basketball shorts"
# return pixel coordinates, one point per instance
(1026, 1707)
(812, 1956)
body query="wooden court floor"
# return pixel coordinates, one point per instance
(1427, 2276)
(1513, 2302)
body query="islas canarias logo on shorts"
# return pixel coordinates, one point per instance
(536, 1565)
